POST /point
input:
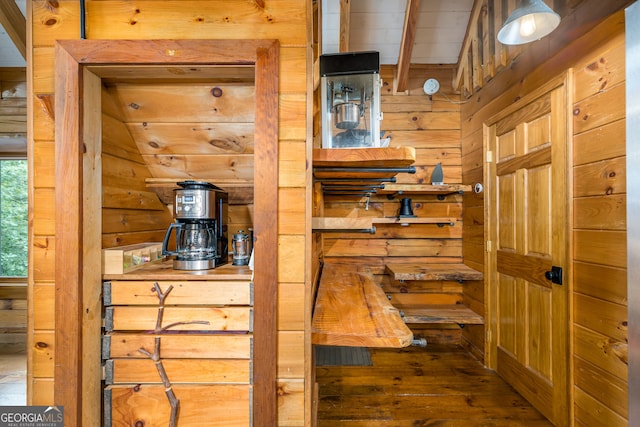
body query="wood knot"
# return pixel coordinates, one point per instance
(282, 391)
(139, 423)
(216, 92)
(576, 111)
(154, 144)
(134, 106)
(612, 174)
(137, 387)
(51, 21)
(41, 344)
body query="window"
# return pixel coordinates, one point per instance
(13, 218)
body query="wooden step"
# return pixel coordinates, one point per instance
(352, 310)
(440, 313)
(458, 272)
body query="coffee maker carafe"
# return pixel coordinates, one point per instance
(200, 212)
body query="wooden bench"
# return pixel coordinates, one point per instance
(436, 313)
(352, 310)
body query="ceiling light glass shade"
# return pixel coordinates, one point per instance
(529, 22)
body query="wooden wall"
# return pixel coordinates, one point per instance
(131, 212)
(13, 317)
(13, 112)
(432, 126)
(600, 236)
(284, 20)
(599, 288)
(13, 137)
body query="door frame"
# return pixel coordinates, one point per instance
(564, 258)
(78, 207)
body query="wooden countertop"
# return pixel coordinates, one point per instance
(352, 310)
(164, 271)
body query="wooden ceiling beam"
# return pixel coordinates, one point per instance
(15, 25)
(406, 45)
(345, 23)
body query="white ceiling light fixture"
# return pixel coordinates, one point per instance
(529, 22)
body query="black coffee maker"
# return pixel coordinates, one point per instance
(200, 212)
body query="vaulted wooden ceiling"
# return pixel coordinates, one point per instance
(403, 31)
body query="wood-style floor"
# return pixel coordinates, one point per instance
(13, 375)
(434, 386)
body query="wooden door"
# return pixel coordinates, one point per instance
(528, 205)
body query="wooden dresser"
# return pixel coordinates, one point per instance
(177, 347)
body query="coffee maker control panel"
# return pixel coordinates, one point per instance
(194, 205)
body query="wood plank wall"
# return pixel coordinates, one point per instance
(600, 237)
(284, 20)
(599, 329)
(13, 316)
(13, 112)
(432, 126)
(131, 213)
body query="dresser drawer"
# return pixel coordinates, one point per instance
(143, 292)
(204, 371)
(178, 346)
(199, 405)
(144, 318)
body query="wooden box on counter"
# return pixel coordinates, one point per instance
(177, 346)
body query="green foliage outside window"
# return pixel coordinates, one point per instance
(13, 218)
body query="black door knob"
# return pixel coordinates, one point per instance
(555, 275)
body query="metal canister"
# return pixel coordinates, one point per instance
(241, 248)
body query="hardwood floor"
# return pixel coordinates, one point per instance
(441, 385)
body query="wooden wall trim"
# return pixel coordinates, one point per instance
(266, 232)
(68, 274)
(72, 317)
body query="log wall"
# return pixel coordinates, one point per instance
(599, 288)
(286, 21)
(13, 111)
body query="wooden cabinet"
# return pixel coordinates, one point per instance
(177, 347)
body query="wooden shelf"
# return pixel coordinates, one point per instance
(389, 157)
(352, 310)
(239, 191)
(439, 314)
(367, 224)
(458, 272)
(358, 171)
(393, 190)
(436, 313)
